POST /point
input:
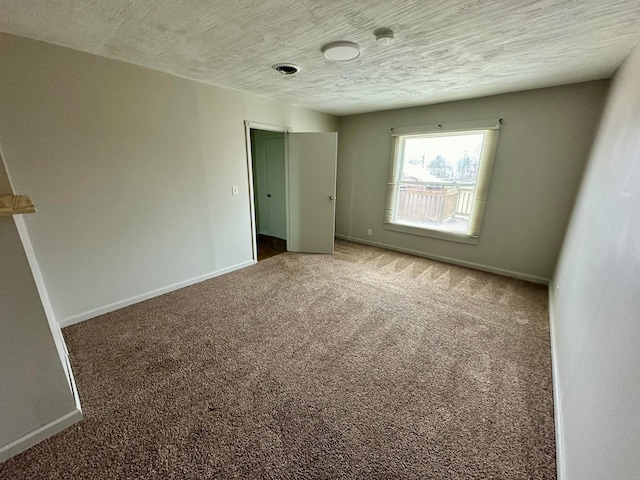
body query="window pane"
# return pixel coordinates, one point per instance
(437, 181)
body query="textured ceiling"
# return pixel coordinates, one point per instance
(446, 50)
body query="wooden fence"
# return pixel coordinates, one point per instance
(434, 204)
(465, 201)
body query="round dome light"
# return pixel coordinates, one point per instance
(341, 51)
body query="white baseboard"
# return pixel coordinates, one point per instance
(81, 317)
(40, 434)
(476, 266)
(557, 405)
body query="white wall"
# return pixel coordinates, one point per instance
(34, 392)
(596, 313)
(131, 170)
(543, 144)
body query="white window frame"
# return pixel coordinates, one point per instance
(490, 130)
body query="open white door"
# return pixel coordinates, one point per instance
(312, 161)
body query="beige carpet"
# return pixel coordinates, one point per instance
(364, 364)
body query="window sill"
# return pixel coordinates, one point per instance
(425, 232)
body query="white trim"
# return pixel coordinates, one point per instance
(448, 127)
(58, 338)
(74, 388)
(557, 404)
(454, 261)
(432, 233)
(42, 433)
(265, 126)
(252, 198)
(287, 194)
(81, 317)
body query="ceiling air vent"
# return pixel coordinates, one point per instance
(286, 68)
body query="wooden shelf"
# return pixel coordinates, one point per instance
(16, 205)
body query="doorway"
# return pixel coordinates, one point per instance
(292, 183)
(269, 190)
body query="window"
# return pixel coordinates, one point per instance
(439, 179)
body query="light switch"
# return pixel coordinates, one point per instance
(234, 190)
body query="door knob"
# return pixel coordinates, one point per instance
(269, 195)
(332, 197)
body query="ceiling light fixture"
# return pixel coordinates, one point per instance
(384, 35)
(341, 51)
(286, 68)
